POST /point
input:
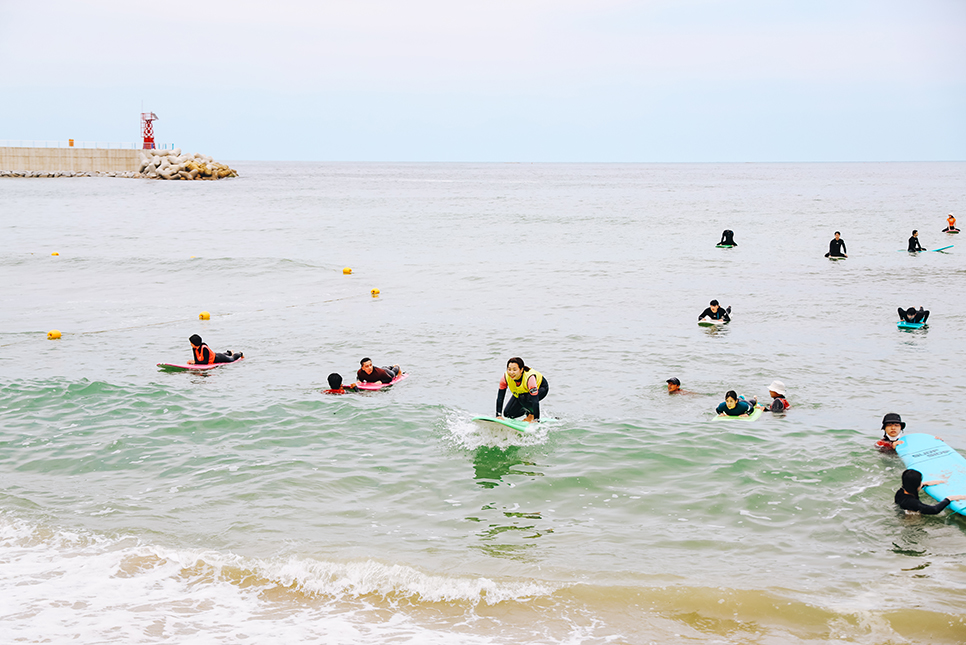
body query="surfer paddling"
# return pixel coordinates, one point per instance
(907, 497)
(727, 238)
(910, 315)
(836, 247)
(715, 312)
(735, 406)
(203, 355)
(528, 387)
(369, 374)
(914, 245)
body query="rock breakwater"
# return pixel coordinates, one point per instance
(171, 164)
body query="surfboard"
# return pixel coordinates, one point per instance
(935, 460)
(725, 246)
(956, 232)
(751, 417)
(944, 248)
(513, 424)
(837, 257)
(175, 367)
(902, 324)
(707, 322)
(378, 386)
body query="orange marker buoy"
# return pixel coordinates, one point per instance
(346, 271)
(204, 315)
(55, 253)
(375, 293)
(53, 334)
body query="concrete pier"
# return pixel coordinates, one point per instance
(68, 160)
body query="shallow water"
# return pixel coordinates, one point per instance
(146, 506)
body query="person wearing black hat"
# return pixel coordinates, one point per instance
(204, 356)
(716, 312)
(674, 387)
(913, 316)
(892, 427)
(907, 497)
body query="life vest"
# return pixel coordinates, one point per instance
(784, 402)
(522, 388)
(200, 355)
(952, 221)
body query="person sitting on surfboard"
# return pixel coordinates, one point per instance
(836, 247)
(204, 356)
(907, 497)
(735, 406)
(335, 385)
(528, 388)
(952, 225)
(674, 387)
(715, 312)
(892, 427)
(777, 392)
(369, 374)
(727, 238)
(910, 315)
(914, 245)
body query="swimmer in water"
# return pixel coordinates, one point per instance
(735, 406)
(202, 354)
(674, 387)
(836, 248)
(910, 315)
(777, 392)
(715, 312)
(914, 245)
(951, 220)
(907, 497)
(727, 238)
(336, 387)
(892, 428)
(528, 388)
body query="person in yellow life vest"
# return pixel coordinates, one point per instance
(951, 220)
(528, 388)
(203, 355)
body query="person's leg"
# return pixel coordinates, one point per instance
(902, 313)
(513, 408)
(922, 316)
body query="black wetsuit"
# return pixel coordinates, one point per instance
(909, 502)
(522, 404)
(913, 316)
(741, 407)
(202, 356)
(914, 244)
(836, 248)
(722, 314)
(728, 238)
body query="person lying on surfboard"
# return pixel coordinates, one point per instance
(735, 406)
(727, 238)
(204, 356)
(907, 497)
(335, 385)
(952, 225)
(914, 245)
(715, 312)
(674, 387)
(369, 374)
(836, 247)
(777, 392)
(912, 316)
(528, 388)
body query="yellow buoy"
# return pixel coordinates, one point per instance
(375, 293)
(346, 271)
(204, 315)
(55, 253)
(53, 334)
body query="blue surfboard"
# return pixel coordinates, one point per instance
(935, 460)
(513, 424)
(902, 324)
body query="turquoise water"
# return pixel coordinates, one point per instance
(145, 506)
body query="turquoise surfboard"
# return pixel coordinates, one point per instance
(519, 426)
(751, 417)
(902, 324)
(935, 460)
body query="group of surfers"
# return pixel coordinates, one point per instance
(837, 248)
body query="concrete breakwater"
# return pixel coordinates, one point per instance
(94, 162)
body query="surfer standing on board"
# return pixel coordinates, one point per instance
(528, 388)
(836, 247)
(733, 406)
(715, 312)
(907, 497)
(204, 356)
(369, 374)
(914, 245)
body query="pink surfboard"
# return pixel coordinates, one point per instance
(379, 386)
(174, 367)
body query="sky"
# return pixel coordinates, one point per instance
(501, 80)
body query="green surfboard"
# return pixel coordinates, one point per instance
(519, 426)
(751, 417)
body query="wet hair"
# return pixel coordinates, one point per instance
(911, 481)
(837, 233)
(914, 232)
(364, 360)
(195, 340)
(714, 303)
(731, 394)
(518, 361)
(335, 381)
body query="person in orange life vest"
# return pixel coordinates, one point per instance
(528, 388)
(777, 392)
(952, 224)
(369, 374)
(203, 355)
(335, 385)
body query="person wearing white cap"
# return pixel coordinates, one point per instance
(777, 392)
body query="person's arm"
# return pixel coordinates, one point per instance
(705, 314)
(845, 251)
(500, 395)
(910, 503)
(534, 393)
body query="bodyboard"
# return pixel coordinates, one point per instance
(902, 324)
(935, 460)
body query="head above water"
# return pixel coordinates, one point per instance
(915, 233)
(911, 481)
(335, 381)
(714, 303)
(893, 425)
(673, 384)
(777, 388)
(195, 340)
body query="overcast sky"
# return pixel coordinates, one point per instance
(520, 80)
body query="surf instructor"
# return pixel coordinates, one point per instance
(528, 388)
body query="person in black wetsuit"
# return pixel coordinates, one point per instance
(716, 312)
(914, 246)
(528, 387)
(727, 238)
(735, 406)
(913, 316)
(836, 247)
(907, 497)
(204, 356)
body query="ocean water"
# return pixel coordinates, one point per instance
(242, 505)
